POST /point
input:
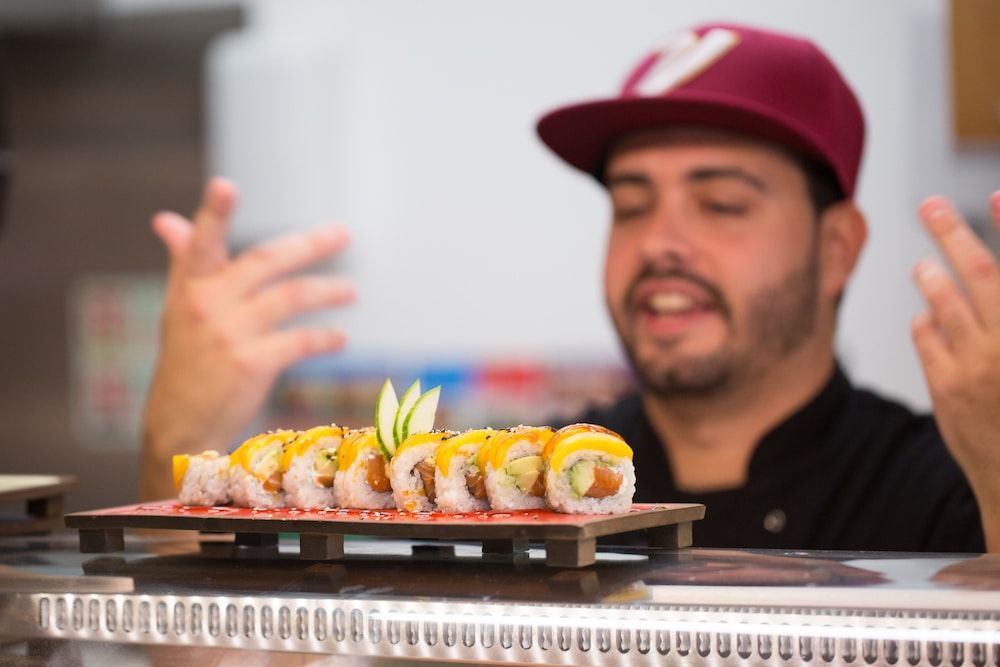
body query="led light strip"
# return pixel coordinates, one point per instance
(546, 634)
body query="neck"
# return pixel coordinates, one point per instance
(710, 441)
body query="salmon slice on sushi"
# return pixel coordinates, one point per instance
(309, 467)
(411, 471)
(514, 468)
(458, 480)
(255, 470)
(589, 471)
(362, 480)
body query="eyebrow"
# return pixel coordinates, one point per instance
(695, 176)
(711, 173)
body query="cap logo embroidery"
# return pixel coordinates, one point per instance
(683, 56)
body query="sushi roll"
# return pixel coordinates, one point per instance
(514, 468)
(255, 470)
(309, 467)
(237, 472)
(201, 479)
(589, 471)
(460, 485)
(361, 481)
(411, 471)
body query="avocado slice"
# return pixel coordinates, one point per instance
(581, 477)
(325, 467)
(525, 471)
(526, 480)
(524, 464)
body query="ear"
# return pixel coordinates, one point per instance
(843, 231)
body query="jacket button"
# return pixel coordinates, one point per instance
(774, 521)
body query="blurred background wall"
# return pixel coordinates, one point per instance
(476, 253)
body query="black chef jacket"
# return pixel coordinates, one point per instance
(850, 470)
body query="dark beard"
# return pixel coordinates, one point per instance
(781, 318)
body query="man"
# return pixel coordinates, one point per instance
(731, 158)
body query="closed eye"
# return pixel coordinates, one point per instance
(631, 197)
(725, 208)
(623, 213)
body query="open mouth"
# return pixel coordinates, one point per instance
(670, 307)
(672, 303)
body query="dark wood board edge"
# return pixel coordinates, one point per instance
(27, 526)
(623, 523)
(65, 484)
(373, 529)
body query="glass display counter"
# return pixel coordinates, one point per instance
(178, 600)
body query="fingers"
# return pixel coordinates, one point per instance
(284, 348)
(208, 252)
(972, 260)
(272, 259)
(174, 231)
(949, 309)
(931, 348)
(277, 303)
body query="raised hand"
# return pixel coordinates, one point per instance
(221, 345)
(958, 340)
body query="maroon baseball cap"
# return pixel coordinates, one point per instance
(768, 85)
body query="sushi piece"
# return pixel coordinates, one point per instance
(309, 466)
(255, 470)
(362, 481)
(514, 468)
(237, 472)
(411, 471)
(460, 484)
(589, 471)
(201, 479)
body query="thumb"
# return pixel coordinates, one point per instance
(175, 231)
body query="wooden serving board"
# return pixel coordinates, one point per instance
(570, 539)
(43, 496)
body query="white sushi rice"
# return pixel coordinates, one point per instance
(234, 482)
(205, 482)
(351, 487)
(301, 488)
(500, 487)
(246, 487)
(452, 490)
(300, 481)
(560, 495)
(407, 486)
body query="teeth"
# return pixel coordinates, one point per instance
(668, 303)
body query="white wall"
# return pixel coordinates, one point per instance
(966, 173)
(413, 122)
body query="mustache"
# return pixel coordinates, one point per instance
(717, 299)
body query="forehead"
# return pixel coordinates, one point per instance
(706, 141)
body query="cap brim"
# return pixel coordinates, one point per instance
(583, 134)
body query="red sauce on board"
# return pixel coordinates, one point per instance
(171, 508)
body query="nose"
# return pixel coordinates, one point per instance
(666, 237)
